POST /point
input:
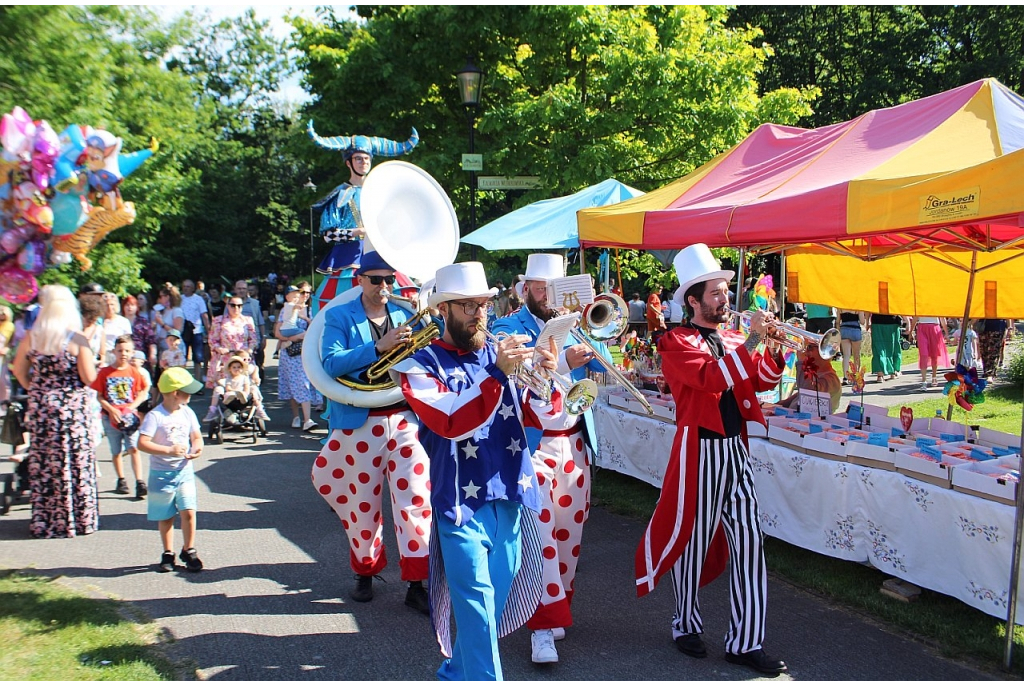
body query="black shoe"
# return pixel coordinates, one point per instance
(122, 487)
(141, 490)
(192, 562)
(363, 591)
(416, 598)
(759, 661)
(167, 562)
(692, 645)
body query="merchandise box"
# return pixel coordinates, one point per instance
(785, 436)
(990, 437)
(869, 409)
(890, 422)
(992, 480)
(827, 445)
(875, 456)
(937, 473)
(943, 427)
(756, 430)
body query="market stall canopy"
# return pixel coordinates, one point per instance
(943, 170)
(548, 224)
(935, 282)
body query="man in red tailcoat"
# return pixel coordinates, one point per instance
(708, 511)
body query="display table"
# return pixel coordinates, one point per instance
(946, 541)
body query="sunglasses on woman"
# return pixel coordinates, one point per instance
(239, 305)
(377, 280)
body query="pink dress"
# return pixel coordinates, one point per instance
(234, 334)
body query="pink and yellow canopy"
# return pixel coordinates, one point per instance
(945, 170)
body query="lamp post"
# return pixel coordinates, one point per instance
(311, 187)
(470, 83)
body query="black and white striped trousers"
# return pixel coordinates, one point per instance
(726, 496)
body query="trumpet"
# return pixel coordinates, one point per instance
(579, 396)
(799, 339)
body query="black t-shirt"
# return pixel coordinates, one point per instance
(732, 421)
(886, 320)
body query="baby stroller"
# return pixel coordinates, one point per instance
(905, 341)
(237, 416)
(15, 484)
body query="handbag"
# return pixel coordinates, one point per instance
(13, 431)
(295, 349)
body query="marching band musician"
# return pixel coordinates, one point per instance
(561, 462)
(368, 445)
(708, 510)
(339, 221)
(485, 550)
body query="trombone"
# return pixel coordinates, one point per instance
(799, 339)
(579, 396)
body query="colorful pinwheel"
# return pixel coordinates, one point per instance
(964, 387)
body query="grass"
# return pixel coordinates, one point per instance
(50, 632)
(957, 630)
(1000, 411)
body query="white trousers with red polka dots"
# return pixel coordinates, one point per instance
(563, 474)
(349, 473)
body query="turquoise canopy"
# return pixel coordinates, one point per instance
(548, 224)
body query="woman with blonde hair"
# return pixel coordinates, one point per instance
(6, 342)
(55, 364)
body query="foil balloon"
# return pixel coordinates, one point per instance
(70, 159)
(16, 285)
(12, 239)
(16, 133)
(45, 148)
(32, 257)
(58, 258)
(70, 210)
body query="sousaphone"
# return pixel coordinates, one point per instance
(411, 223)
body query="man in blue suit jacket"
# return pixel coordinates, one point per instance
(368, 445)
(561, 462)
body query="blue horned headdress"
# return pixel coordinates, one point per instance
(371, 145)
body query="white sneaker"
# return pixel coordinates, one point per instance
(543, 642)
(310, 425)
(296, 422)
(558, 633)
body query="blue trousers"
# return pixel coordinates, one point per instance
(481, 558)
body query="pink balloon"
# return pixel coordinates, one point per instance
(16, 285)
(12, 239)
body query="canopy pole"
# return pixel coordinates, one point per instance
(1011, 612)
(963, 322)
(618, 273)
(739, 285)
(583, 260)
(782, 288)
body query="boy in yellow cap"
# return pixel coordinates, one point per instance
(171, 435)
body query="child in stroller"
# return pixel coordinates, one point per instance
(237, 393)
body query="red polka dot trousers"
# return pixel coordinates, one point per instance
(563, 474)
(349, 474)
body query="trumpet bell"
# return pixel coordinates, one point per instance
(409, 219)
(580, 397)
(830, 343)
(606, 318)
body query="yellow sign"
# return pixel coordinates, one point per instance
(941, 208)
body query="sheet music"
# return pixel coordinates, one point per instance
(570, 292)
(557, 328)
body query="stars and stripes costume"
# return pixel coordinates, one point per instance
(365, 447)
(562, 464)
(485, 553)
(707, 512)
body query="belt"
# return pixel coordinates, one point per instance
(389, 410)
(578, 428)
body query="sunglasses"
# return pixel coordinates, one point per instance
(377, 280)
(233, 304)
(306, 292)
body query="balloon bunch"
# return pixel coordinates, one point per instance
(964, 387)
(763, 291)
(59, 197)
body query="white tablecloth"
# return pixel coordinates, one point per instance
(946, 541)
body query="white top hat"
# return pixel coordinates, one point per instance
(543, 267)
(695, 264)
(460, 281)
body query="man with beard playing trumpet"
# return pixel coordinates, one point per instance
(560, 460)
(708, 511)
(485, 548)
(368, 445)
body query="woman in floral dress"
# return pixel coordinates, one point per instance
(231, 331)
(55, 363)
(292, 382)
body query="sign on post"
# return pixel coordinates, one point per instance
(472, 162)
(507, 182)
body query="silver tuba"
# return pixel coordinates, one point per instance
(411, 223)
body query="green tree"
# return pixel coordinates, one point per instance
(572, 94)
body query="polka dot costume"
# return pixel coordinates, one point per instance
(349, 474)
(563, 477)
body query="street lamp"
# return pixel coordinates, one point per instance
(471, 80)
(311, 187)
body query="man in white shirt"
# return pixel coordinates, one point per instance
(196, 313)
(675, 313)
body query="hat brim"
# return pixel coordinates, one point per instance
(192, 388)
(437, 298)
(528, 277)
(713, 276)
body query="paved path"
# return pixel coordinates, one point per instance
(273, 602)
